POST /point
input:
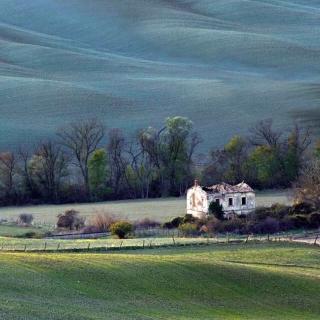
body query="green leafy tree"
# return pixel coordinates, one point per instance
(236, 155)
(216, 210)
(266, 164)
(176, 152)
(98, 172)
(170, 151)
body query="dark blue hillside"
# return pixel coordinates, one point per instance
(224, 64)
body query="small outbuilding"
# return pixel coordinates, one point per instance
(234, 199)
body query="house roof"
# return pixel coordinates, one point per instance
(228, 188)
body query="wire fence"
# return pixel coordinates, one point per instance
(105, 245)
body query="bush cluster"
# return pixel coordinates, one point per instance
(146, 223)
(70, 220)
(101, 222)
(264, 220)
(121, 229)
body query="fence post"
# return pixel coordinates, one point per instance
(120, 244)
(174, 243)
(45, 246)
(58, 246)
(315, 240)
(25, 248)
(228, 237)
(268, 237)
(143, 244)
(88, 246)
(247, 239)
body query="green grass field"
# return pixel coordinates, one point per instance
(264, 281)
(159, 209)
(11, 230)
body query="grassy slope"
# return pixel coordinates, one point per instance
(159, 209)
(224, 64)
(226, 282)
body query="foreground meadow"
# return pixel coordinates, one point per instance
(256, 281)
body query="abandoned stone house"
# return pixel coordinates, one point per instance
(237, 199)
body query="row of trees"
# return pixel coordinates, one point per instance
(85, 162)
(266, 158)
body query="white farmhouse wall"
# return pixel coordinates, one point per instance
(237, 206)
(197, 202)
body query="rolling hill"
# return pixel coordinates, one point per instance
(224, 64)
(271, 281)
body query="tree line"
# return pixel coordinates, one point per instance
(87, 162)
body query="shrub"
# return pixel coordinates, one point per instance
(300, 221)
(260, 213)
(233, 225)
(174, 223)
(269, 225)
(214, 225)
(147, 223)
(121, 229)
(25, 219)
(286, 223)
(167, 225)
(188, 229)
(314, 220)
(301, 208)
(102, 222)
(216, 210)
(189, 218)
(70, 220)
(90, 229)
(279, 210)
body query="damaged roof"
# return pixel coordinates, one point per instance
(228, 188)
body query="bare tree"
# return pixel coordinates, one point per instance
(264, 134)
(142, 166)
(82, 139)
(50, 165)
(117, 161)
(308, 186)
(300, 138)
(7, 170)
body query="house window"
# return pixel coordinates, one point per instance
(244, 201)
(230, 202)
(218, 201)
